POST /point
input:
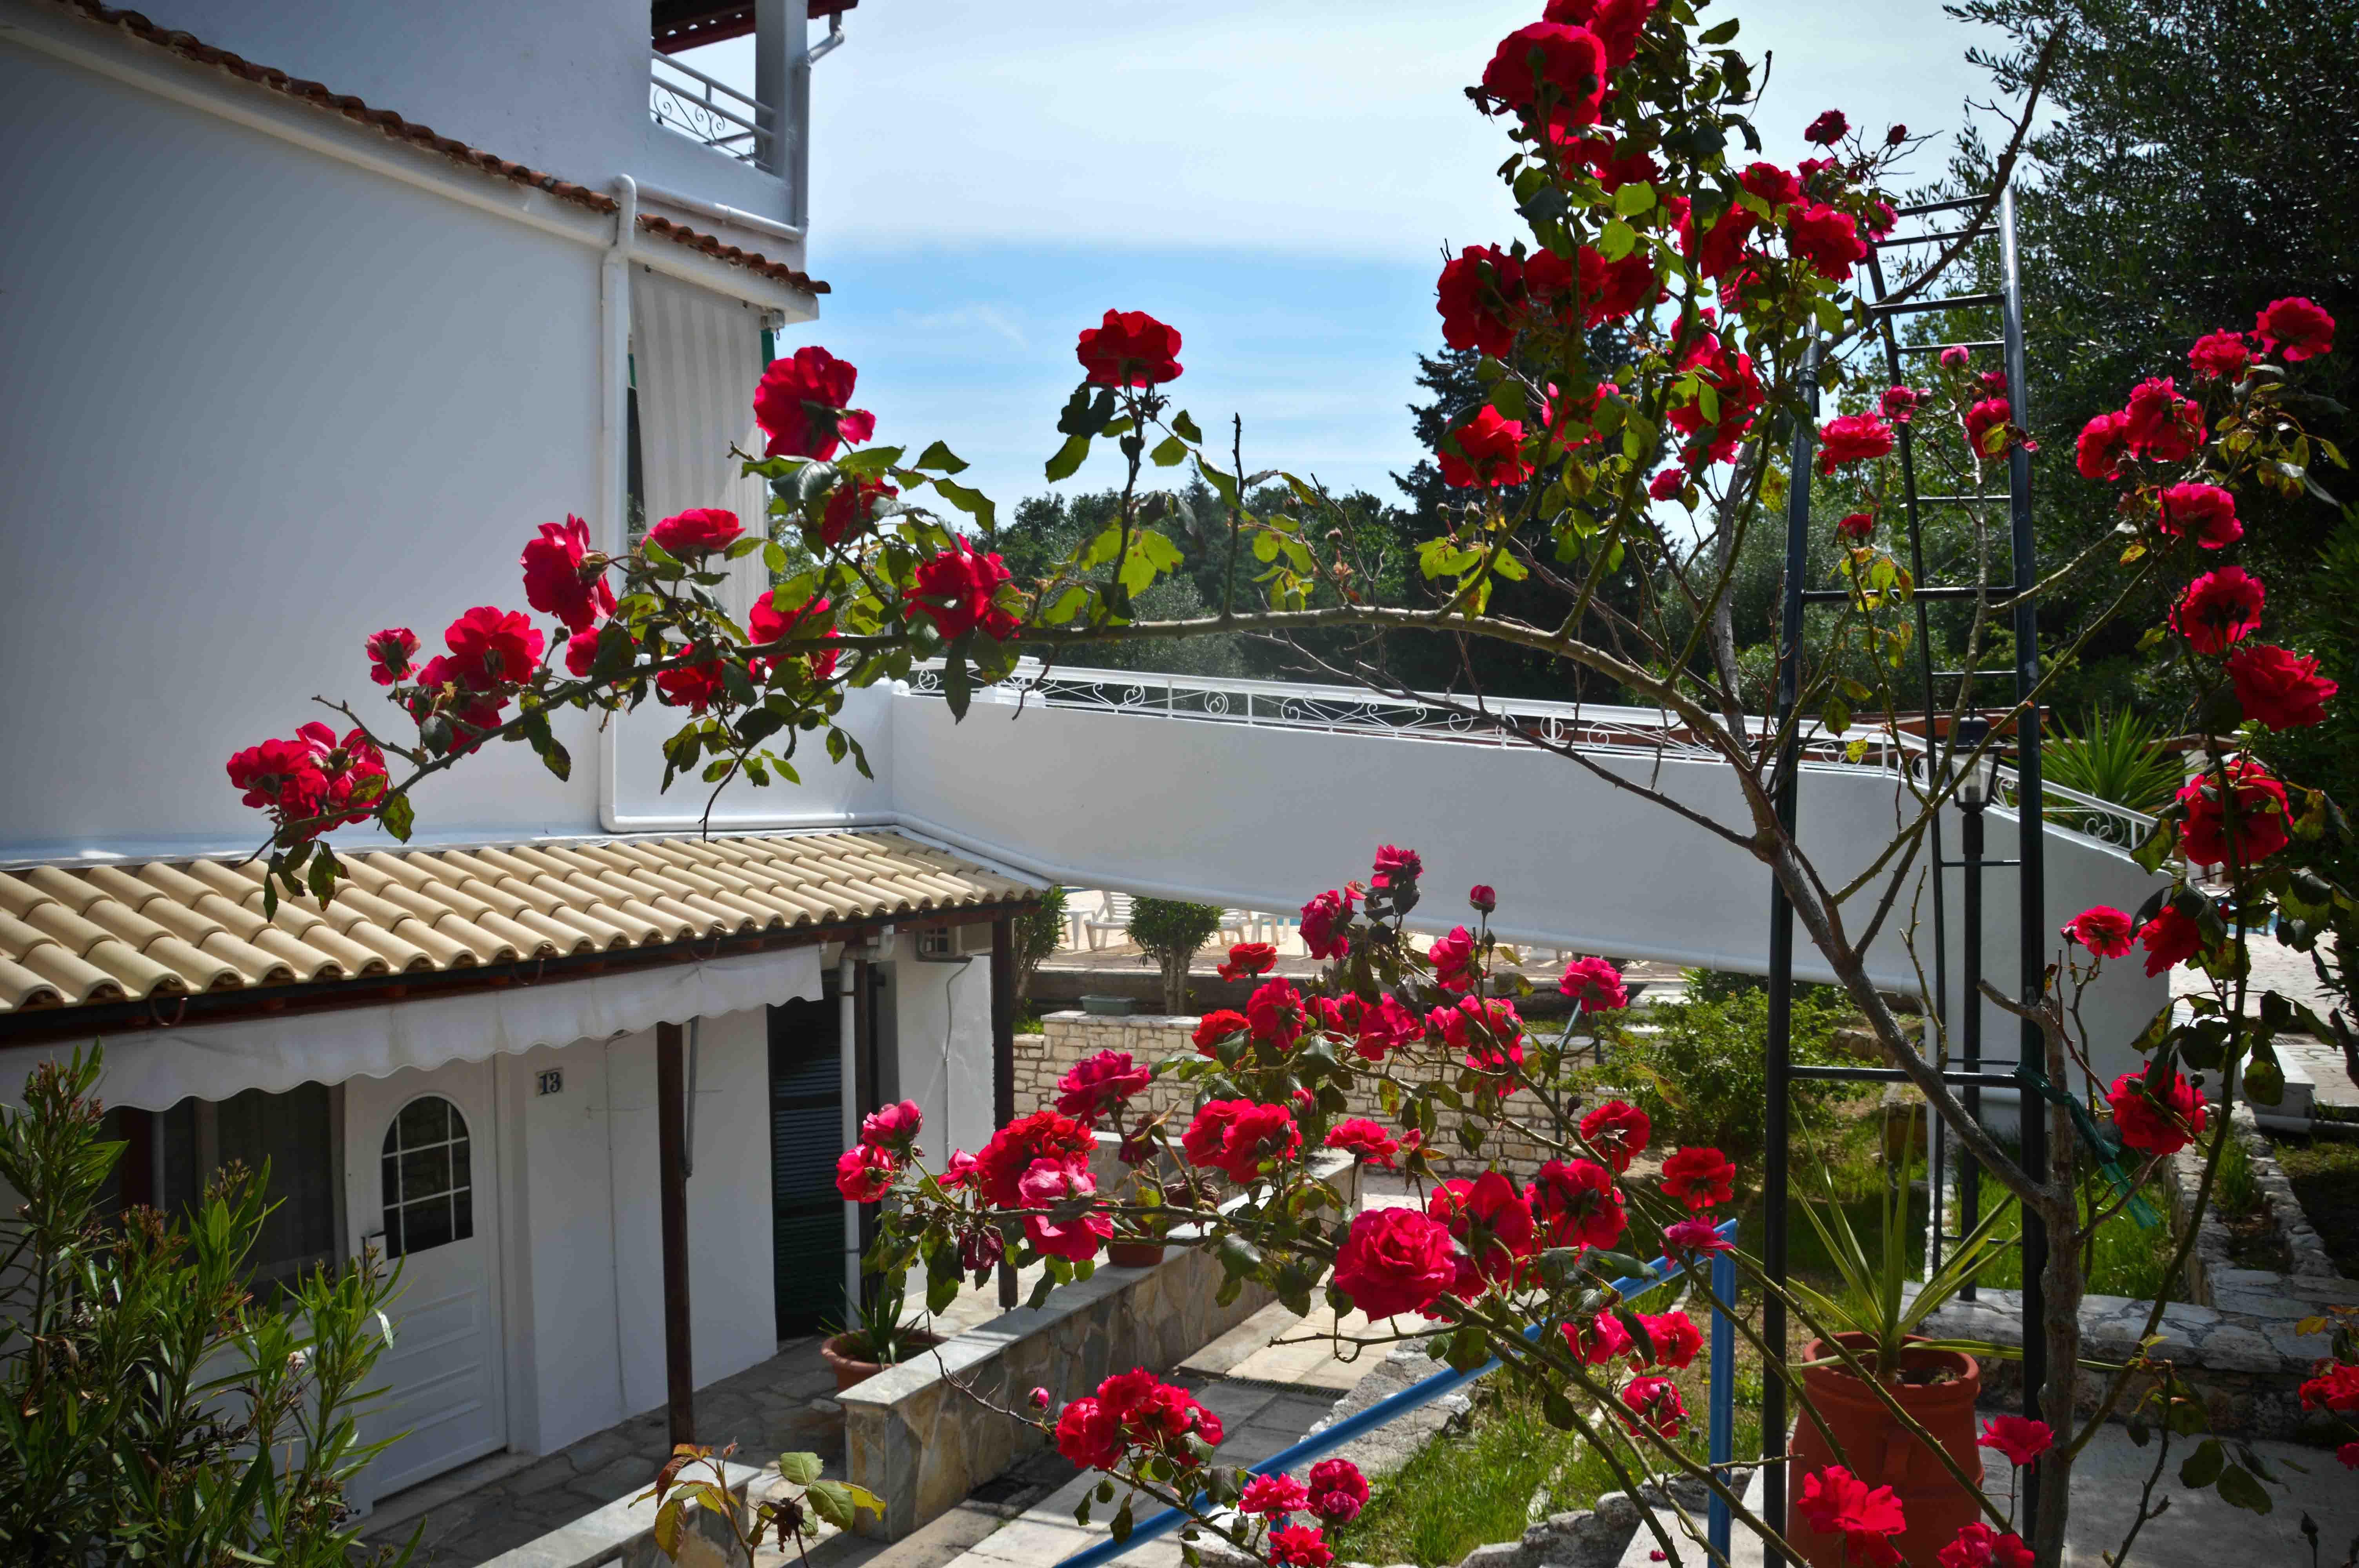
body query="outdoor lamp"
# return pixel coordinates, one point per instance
(1982, 774)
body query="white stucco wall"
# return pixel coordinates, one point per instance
(942, 1019)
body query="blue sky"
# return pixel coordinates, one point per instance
(1274, 179)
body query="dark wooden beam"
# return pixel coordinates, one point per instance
(1003, 1052)
(671, 1181)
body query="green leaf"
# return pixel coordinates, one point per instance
(939, 456)
(1187, 427)
(558, 759)
(398, 816)
(955, 690)
(1720, 34)
(1618, 240)
(802, 1469)
(1123, 1523)
(2203, 1466)
(1633, 198)
(1068, 461)
(973, 503)
(1559, 1411)
(831, 1500)
(1168, 452)
(870, 463)
(2239, 1490)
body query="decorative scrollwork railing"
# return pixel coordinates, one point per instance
(683, 97)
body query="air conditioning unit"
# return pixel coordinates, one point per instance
(955, 944)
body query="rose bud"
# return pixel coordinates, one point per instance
(1483, 897)
(1039, 1398)
(1895, 136)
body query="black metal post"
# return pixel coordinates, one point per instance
(672, 1186)
(1970, 1016)
(1002, 1055)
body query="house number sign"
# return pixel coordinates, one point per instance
(552, 1082)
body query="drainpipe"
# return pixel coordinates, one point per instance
(614, 530)
(848, 1097)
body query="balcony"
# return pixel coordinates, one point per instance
(684, 99)
(701, 103)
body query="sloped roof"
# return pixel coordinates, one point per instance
(189, 47)
(89, 935)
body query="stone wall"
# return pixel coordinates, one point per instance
(1067, 1037)
(2209, 1269)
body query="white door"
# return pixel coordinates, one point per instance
(420, 1185)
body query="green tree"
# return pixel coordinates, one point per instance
(1169, 932)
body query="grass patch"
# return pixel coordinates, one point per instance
(2325, 1177)
(2121, 1259)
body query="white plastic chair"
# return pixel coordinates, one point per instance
(1113, 916)
(1246, 924)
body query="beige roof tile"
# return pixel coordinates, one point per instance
(73, 936)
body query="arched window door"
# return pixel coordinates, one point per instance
(430, 1196)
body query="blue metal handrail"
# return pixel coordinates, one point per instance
(1721, 1402)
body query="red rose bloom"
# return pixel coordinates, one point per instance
(1836, 1502)
(1049, 1184)
(1338, 1490)
(2260, 827)
(1901, 402)
(1370, 1144)
(1653, 1403)
(1089, 1435)
(801, 406)
(1854, 437)
(1489, 452)
(1482, 898)
(1246, 959)
(1485, 1029)
(2220, 354)
(1699, 1177)
(770, 624)
(2349, 1454)
(2204, 510)
(1300, 1546)
(2294, 330)
(1618, 1131)
(1394, 1260)
(2162, 425)
(1668, 485)
(2219, 608)
(696, 532)
(1216, 1026)
(1013, 1149)
(559, 579)
(1599, 1340)
(2170, 938)
(1980, 1546)
(2336, 1390)
(1385, 1027)
(1567, 62)
(957, 591)
(1677, 1338)
(1857, 526)
(864, 1173)
(1595, 985)
(1270, 1496)
(1616, 23)
(2154, 1129)
(1099, 1083)
(1395, 865)
(1828, 129)
(894, 1127)
(1129, 347)
(1776, 186)
(1493, 1219)
(852, 508)
(1827, 238)
(2105, 442)
(2020, 1438)
(1478, 292)
(2278, 688)
(581, 653)
(1987, 430)
(492, 647)
(1236, 1136)
(1578, 1203)
(1276, 1014)
(389, 652)
(2103, 930)
(693, 686)
(1322, 924)
(1610, 290)
(1698, 1237)
(1451, 955)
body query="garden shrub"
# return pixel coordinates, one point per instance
(1169, 932)
(1703, 1075)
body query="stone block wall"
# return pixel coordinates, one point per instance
(1067, 1037)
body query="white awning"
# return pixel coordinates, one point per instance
(156, 1070)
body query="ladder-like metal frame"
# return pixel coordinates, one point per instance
(2028, 864)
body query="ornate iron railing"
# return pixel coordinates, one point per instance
(683, 97)
(1597, 728)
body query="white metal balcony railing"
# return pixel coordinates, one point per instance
(1592, 726)
(684, 99)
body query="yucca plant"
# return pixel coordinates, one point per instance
(2117, 755)
(1872, 1300)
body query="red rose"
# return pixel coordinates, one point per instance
(697, 531)
(1216, 1026)
(1490, 1217)
(1697, 1237)
(2294, 329)
(1578, 1203)
(1854, 437)
(693, 686)
(1618, 1131)
(1979, 1546)
(1300, 1546)
(1090, 1436)
(1599, 1340)
(558, 578)
(1385, 1027)
(1595, 984)
(1324, 923)
(1129, 347)
(1248, 959)
(2162, 425)
(2219, 608)
(1828, 129)
(2221, 354)
(1270, 1496)
(1485, 1029)
(2280, 687)
(492, 647)
(1653, 1403)
(1616, 23)
(449, 685)
(2349, 1454)
(2102, 929)
(852, 508)
(1048, 1183)
(1370, 1144)
(1099, 1083)
(1676, 1338)
(1699, 1177)
(2260, 825)
(769, 623)
(1450, 954)
(2204, 510)
(1776, 186)
(2336, 1390)
(2170, 938)
(1836, 1502)
(2105, 442)
(1012, 1149)
(1395, 865)
(1255, 1136)
(1668, 485)
(2020, 1438)
(1489, 451)
(1613, 168)
(801, 406)
(389, 652)
(894, 1127)
(957, 591)
(1482, 898)
(1610, 290)
(581, 653)
(1856, 525)
(1394, 1260)
(1338, 1490)
(1568, 63)
(1276, 1014)
(2154, 1129)
(1988, 431)
(1722, 247)
(1478, 292)
(864, 1173)
(1827, 238)
(1901, 402)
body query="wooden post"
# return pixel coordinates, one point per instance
(1003, 1052)
(671, 1181)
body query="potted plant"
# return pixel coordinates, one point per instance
(1139, 1243)
(876, 1338)
(1936, 1381)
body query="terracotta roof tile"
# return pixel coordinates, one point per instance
(72, 937)
(392, 125)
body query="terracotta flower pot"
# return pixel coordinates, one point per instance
(1883, 1453)
(1134, 1254)
(850, 1369)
